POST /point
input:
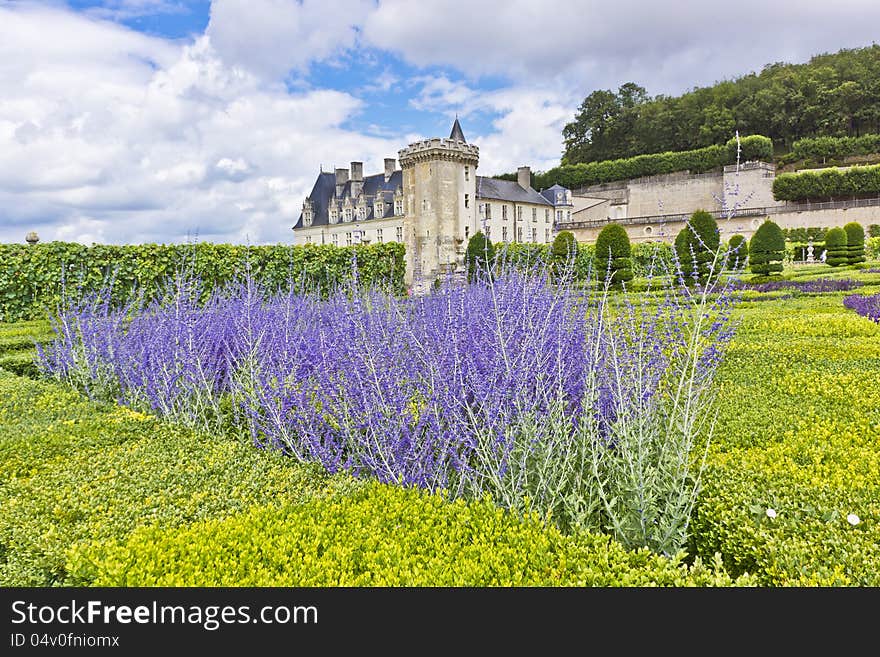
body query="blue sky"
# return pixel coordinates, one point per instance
(153, 120)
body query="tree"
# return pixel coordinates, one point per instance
(613, 253)
(696, 244)
(855, 243)
(604, 124)
(737, 252)
(479, 256)
(835, 243)
(767, 249)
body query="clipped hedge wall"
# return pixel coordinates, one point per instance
(834, 147)
(572, 176)
(827, 183)
(31, 276)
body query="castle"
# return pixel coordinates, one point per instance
(433, 204)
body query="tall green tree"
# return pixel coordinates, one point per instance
(603, 127)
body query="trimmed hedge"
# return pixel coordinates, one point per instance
(613, 253)
(479, 256)
(835, 243)
(754, 147)
(87, 486)
(696, 245)
(798, 432)
(31, 276)
(379, 536)
(835, 147)
(827, 183)
(855, 243)
(767, 249)
(738, 251)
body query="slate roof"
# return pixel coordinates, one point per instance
(324, 191)
(550, 194)
(457, 132)
(507, 190)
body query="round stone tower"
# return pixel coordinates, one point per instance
(439, 190)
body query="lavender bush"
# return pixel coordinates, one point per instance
(869, 306)
(576, 403)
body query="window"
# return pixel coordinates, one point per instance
(519, 234)
(519, 213)
(379, 235)
(334, 215)
(362, 213)
(467, 232)
(488, 232)
(467, 200)
(335, 239)
(348, 214)
(398, 207)
(568, 215)
(534, 214)
(546, 234)
(467, 173)
(559, 216)
(504, 233)
(488, 210)
(504, 213)
(424, 204)
(348, 239)
(534, 234)
(308, 239)
(547, 215)
(400, 233)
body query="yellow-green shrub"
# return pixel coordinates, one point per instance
(379, 536)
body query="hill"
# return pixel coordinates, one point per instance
(835, 95)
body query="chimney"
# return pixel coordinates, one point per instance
(390, 166)
(524, 177)
(341, 179)
(357, 178)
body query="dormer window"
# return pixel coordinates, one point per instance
(347, 214)
(398, 206)
(308, 213)
(379, 209)
(334, 215)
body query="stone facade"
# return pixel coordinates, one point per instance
(433, 204)
(741, 198)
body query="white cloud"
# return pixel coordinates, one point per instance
(667, 46)
(527, 128)
(271, 37)
(111, 135)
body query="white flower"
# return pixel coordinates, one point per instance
(853, 519)
(771, 513)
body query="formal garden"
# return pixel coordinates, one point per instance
(209, 415)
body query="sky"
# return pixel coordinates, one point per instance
(133, 121)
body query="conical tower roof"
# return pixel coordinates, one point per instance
(457, 133)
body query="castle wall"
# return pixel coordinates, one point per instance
(745, 225)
